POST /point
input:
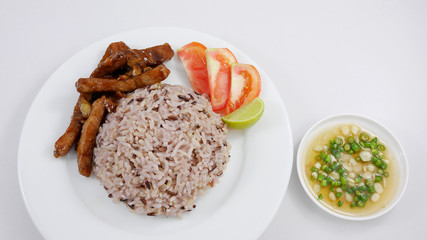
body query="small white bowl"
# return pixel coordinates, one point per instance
(375, 128)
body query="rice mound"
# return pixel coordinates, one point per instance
(161, 149)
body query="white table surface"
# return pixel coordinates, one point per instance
(325, 57)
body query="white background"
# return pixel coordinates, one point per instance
(325, 57)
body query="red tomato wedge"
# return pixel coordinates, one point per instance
(219, 62)
(193, 56)
(245, 86)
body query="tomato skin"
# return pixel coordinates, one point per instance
(193, 57)
(219, 62)
(245, 86)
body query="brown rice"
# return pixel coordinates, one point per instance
(161, 149)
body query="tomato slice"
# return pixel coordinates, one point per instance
(193, 56)
(245, 86)
(219, 62)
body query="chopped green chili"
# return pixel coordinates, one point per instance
(324, 183)
(337, 155)
(363, 198)
(328, 159)
(323, 167)
(322, 155)
(364, 137)
(347, 147)
(338, 141)
(383, 166)
(343, 180)
(355, 147)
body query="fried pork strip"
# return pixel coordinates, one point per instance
(113, 59)
(66, 141)
(88, 137)
(91, 85)
(152, 56)
(119, 55)
(114, 48)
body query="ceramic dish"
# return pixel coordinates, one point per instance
(65, 205)
(399, 162)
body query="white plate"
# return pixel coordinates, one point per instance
(65, 205)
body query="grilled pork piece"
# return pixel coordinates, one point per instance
(134, 61)
(151, 56)
(114, 48)
(113, 59)
(88, 137)
(92, 85)
(66, 141)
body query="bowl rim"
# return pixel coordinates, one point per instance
(349, 117)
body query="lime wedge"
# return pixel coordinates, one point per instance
(246, 115)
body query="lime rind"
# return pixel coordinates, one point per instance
(246, 115)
